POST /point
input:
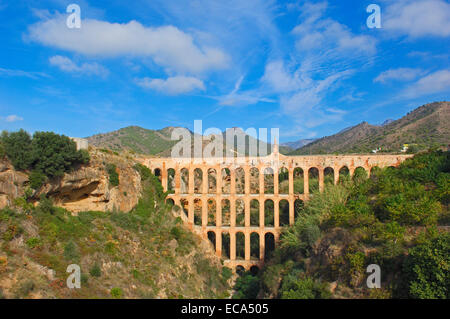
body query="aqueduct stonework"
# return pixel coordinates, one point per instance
(186, 193)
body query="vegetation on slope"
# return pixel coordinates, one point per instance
(426, 126)
(146, 253)
(397, 219)
(46, 155)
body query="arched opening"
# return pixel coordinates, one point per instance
(269, 214)
(185, 206)
(171, 180)
(254, 180)
(283, 181)
(269, 246)
(240, 245)
(374, 172)
(197, 212)
(226, 180)
(240, 213)
(212, 238)
(254, 212)
(328, 176)
(299, 206)
(254, 246)
(360, 174)
(240, 270)
(212, 211)
(240, 180)
(226, 245)
(212, 181)
(170, 202)
(284, 212)
(184, 181)
(268, 180)
(344, 175)
(313, 176)
(298, 180)
(198, 181)
(157, 173)
(226, 218)
(254, 270)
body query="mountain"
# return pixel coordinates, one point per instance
(425, 126)
(158, 142)
(297, 144)
(136, 139)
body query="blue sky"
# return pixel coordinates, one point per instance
(309, 68)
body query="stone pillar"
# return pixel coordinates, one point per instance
(219, 243)
(232, 211)
(191, 210)
(204, 211)
(291, 211)
(177, 180)
(247, 245)
(261, 211)
(219, 180)
(261, 180)
(291, 181)
(321, 179)
(204, 180)
(276, 181)
(262, 245)
(218, 211)
(247, 180)
(247, 212)
(276, 207)
(232, 180)
(306, 181)
(336, 175)
(233, 245)
(164, 177)
(191, 180)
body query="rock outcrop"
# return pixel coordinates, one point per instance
(84, 189)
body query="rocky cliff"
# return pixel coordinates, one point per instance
(86, 188)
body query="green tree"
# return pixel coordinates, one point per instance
(428, 269)
(17, 146)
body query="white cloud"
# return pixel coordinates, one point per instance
(167, 45)
(20, 73)
(67, 65)
(173, 85)
(437, 82)
(399, 74)
(12, 118)
(418, 18)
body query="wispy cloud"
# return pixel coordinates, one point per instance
(65, 64)
(172, 85)
(11, 118)
(399, 74)
(437, 82)
(21, 73)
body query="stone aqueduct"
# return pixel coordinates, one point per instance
(274, 162)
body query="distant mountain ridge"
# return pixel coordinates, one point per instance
(425, 126)
(297, 144)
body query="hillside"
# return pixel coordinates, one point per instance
(135, 139)
(146, 253)
(426, 126)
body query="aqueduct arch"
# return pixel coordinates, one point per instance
(249, 171)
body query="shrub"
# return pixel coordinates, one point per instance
(37, 179)
(70, 252)
(116, 293)
(246, 287)
(33, 242)
(95, 271)
(427, 269)
(143, 170)
(18, 148)
(113, 175)
(298, 286)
